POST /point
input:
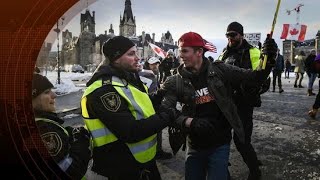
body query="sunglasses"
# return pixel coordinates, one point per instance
(231, 34)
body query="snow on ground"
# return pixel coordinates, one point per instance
(68, 81)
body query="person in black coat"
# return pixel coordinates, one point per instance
(311, 72)
(68, 146)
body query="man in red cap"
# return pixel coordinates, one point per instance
(209, 113)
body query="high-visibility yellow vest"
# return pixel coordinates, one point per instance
(140, 106)
(254, 57)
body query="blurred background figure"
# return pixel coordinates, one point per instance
(311, 72)
(153, 65)
(288, 69)
(277, 71)
(299, 69)
(313, 112)
(166, 65)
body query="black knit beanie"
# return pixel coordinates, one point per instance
(40, 84)
(116, 47)
(235, 26)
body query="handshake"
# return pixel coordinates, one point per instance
(168, 114)
(199, 126)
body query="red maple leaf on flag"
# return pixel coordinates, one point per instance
(294, 31)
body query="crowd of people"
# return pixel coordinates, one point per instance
(126, 105)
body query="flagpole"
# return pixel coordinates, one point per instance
(271, 33)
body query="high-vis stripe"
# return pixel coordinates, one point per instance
(134, 107)
(254, 58)
(65, 163)
(100, 132)
(140, 107)
(143, 147)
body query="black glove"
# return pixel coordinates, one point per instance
(78, 133)
(202, 127)
(270, 48)
(180, 122)
(168, 114)
(79, 144)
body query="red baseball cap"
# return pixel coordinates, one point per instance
(191, 39)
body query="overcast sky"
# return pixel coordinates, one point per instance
(209, 18)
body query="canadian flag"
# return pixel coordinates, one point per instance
(160, 52)
(294, 32)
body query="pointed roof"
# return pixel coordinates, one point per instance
(127, 13)
(318, 33)
(167, 35)
(86, 16)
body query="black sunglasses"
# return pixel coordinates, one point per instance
(231, 34)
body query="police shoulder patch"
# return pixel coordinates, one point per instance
(53, 142)
(111, 101)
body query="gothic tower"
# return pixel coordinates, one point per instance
(127, 22)
(87, 38)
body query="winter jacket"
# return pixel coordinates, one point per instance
(115, 157)
(222, 79)
(71, 153)
(279, 66)
(166, 65)
(300, 64)
(247, 94)
(309, 63)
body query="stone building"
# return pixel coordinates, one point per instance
(292, 48)
(86, 49)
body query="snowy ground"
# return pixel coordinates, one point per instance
(69, 82)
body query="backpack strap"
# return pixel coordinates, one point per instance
(179, 87)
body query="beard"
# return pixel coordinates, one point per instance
(235, 43)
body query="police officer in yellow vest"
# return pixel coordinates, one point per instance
(240, 53)
(68, 146)
(120, 116)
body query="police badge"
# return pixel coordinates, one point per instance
(53, 142)
(111, 101)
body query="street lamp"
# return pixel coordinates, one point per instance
(57, 30)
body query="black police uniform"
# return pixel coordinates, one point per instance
(70, 150)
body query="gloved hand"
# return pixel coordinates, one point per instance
(80, 147)
(270, 48)
(168, 114)
(78, 133)
(202, 127)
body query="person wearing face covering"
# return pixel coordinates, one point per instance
(241, 54)
(121, 117)
(68, 146)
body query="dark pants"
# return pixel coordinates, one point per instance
(316, 104)
(150, 173)
(246, 150)
(299, 78)
(159, 141)
(286, 73)
(276, 75)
